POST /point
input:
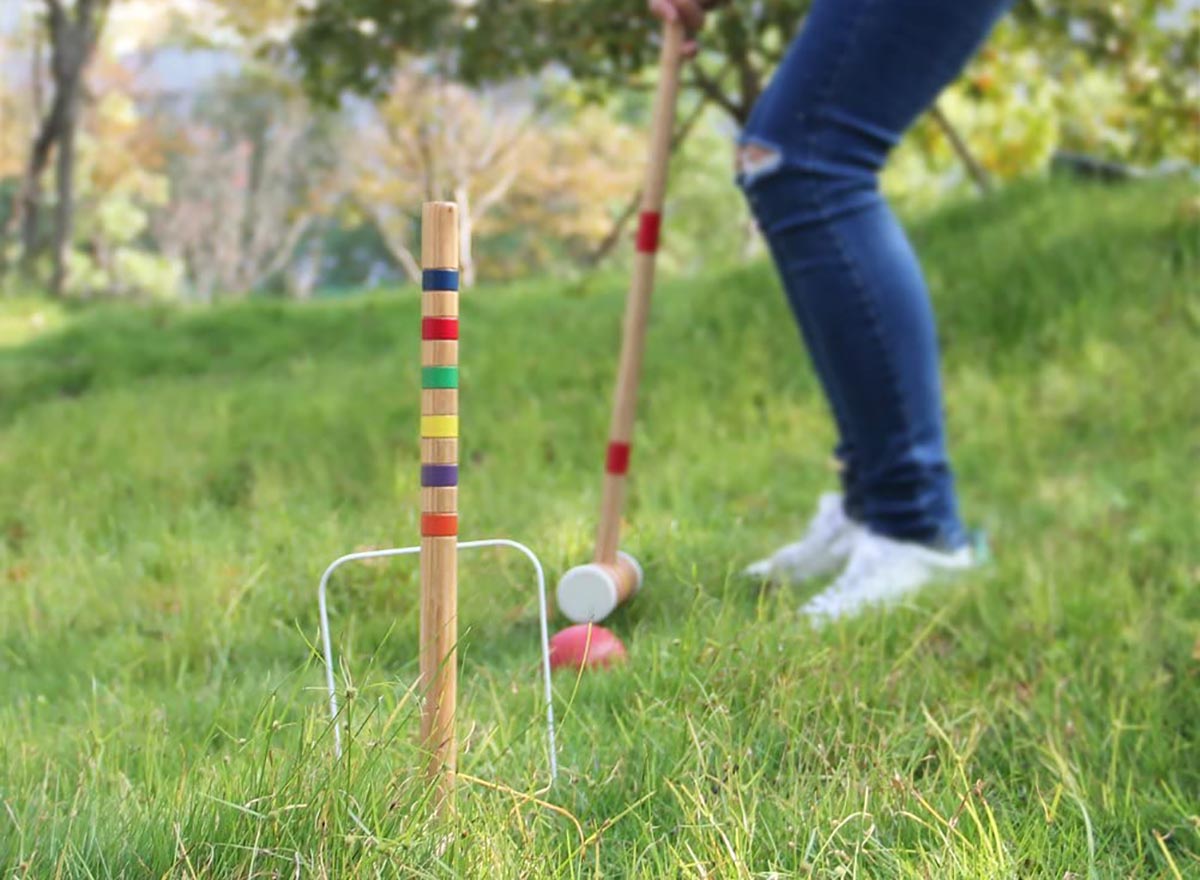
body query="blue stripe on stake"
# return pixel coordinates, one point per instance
(439, 475)
(439, 279)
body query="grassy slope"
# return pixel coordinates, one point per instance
(171, 484)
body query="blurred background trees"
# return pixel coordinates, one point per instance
(250, 171)
(211, 148)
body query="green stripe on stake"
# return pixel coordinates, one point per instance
(439, 377)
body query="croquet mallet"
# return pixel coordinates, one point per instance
(591, 592)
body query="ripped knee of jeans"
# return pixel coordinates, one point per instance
(758, 162)
(756, 158)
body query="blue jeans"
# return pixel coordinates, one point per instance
(857, 75)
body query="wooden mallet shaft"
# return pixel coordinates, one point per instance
(637, 306)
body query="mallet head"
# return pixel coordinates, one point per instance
(589, 593)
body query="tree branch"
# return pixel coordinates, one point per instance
(978, 174)
(498, 147)
(399, 251)
(709, 85)
(282, 254)
(614, 234)
(497, 192)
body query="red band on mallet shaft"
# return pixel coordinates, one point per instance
(647, 235)
(617, 460)
(439, 328)
(439, 525)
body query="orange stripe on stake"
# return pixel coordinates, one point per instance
(439, 525)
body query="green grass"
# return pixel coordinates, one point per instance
(173, 482)
(23, 318)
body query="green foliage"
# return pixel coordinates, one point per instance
(1128, 73)
(355, 46)
(24, 317)
(1146, 53)
(172, 482)
(252, 168)
(1007, 108)
(120, 184)
(708, 225)
(604, 44)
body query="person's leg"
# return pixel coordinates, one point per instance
(844, 450)
(859, 73)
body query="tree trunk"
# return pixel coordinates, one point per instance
(72, 38)
(26, 193)
(29, 202)
(64, 209)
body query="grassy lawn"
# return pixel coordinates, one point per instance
(172, 484)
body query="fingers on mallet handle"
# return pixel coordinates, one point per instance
(689, 13)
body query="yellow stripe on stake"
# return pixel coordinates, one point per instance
(439, 426)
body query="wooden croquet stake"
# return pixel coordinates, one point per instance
(439, 493)
(637, 306)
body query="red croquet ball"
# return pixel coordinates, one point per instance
(572, 649)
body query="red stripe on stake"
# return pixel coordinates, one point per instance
(439, 328)
(617, 461)
(649, 224)
(439, 525)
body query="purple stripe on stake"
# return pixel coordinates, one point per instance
(439, 475)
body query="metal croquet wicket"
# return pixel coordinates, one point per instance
(439, 519)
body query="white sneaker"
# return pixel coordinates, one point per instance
(882, 570)
(824, 548)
